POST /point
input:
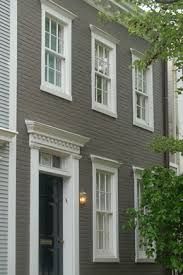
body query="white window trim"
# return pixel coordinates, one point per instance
(66, 17)
(111, 166)
(45, 137)
(110, 41)
(140, 257)
(149, 125)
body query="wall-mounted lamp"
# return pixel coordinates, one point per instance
(83, 198)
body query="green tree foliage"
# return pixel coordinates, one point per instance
(161, 224)
(160, 24)
(162, 221)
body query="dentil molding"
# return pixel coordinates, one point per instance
(46, 136)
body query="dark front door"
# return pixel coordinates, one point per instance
(50, 225)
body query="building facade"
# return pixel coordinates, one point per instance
(85, 121)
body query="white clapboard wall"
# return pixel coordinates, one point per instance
(4, 123)
(4, 62)
(4, 167)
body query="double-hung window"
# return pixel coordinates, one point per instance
(103, 72)
(56, 50)
(105, 209)
(143, 110)
(140, 247)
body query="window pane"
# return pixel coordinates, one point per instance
(60, 39)
(105, 92)
(45, 159)
(58, 64)
(47, 24)
(108, 183)
(138, 100)
(101, 66)
(144, 83)
(97, 199)
(51, 75)
(105, 98)
(108, 201)
(46, 72)
(51, 61)
(138, 112)
(136, 78)
(100, 231)
(140, 81)
(53, 27)
(107, 231)
(100, 52)
(53, 43)
(108, 192)
(99, 96)
(102, 182)
(102, 200)
(58, 79)
(101, 242)
(99, 82)
(60, 46)
(97, 180)
(100, 221)
(47, 40)
(56, 162)
(143, 114)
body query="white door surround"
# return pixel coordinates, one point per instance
(54, 140)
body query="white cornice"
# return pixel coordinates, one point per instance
(100, 4)
(137, 169)
(6, 135)
(105, 161)
(59, 9)
(42, 135)
(104, 34)
(136, 53)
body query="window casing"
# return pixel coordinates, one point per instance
(103, 72)
(143, 110)
(56, 50)
(105, 210)
(140, 248)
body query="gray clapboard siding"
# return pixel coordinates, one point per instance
(4, 62)
(4, 167)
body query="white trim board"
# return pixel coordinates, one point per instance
(111, 3)
(46, 137)
(59, 9)
(11, 136)
(6, 135)
(106, 35)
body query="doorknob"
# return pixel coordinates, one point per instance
(61, 242)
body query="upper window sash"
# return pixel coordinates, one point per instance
(56, 49)
(142, 86)
(103, 72)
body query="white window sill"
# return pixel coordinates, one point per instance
(55, 92)
(145, 260)
(106, 259)
(103, 110)
(142, 124)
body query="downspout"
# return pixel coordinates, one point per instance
(165, 110)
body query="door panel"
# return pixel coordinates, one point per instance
(50, 225)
